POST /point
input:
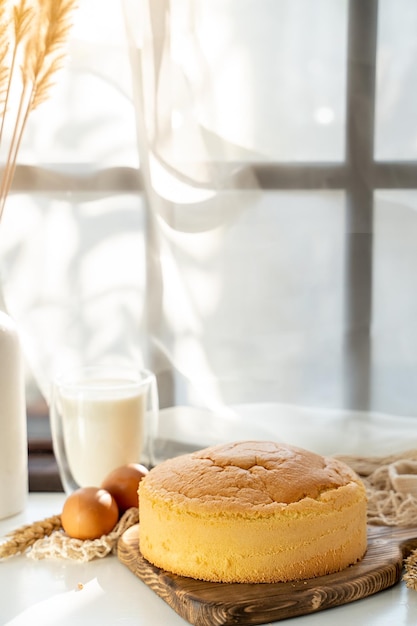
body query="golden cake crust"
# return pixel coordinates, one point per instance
(249, 475)
(252, 512)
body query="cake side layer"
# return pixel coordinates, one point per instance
(287, 545)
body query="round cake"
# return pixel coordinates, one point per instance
(252, 512)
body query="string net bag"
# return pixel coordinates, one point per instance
(47, 539)
(391, 485)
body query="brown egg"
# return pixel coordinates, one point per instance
(89, 513)
(123, 483)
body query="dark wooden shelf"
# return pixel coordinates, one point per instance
(43, 468)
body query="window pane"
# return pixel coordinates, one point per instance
(89, 116)
(74, 278)
(259, 76)
(396, 103)
(394, 329)
(253, 310)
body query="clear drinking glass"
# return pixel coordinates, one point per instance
(101, 418)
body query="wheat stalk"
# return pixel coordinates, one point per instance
(38, 31)
(4, 56)
(25, 536)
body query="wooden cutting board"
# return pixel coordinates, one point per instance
(214, 604)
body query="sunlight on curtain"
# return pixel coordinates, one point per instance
(251, 282)
(247, 310)
(72, 239)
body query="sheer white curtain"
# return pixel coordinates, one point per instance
(253, 305)
(72, 244)
(251, 281)
(225, 195)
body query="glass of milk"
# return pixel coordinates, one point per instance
(102, 418)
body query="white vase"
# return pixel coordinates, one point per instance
(13, 429)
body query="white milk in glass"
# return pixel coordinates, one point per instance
(103, 429)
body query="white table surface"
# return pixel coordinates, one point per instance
(46, 592)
